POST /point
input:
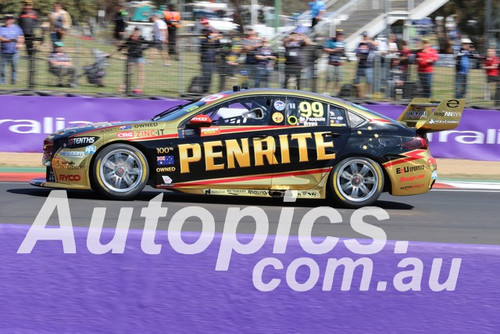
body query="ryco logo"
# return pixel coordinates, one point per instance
(69, 177)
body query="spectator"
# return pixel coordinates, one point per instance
(173, 20)
(120, 23)
(405, 60)
(60, 22)
(366, 56)
(264, 57)
(317, 8)
(60, 65)
(232, 62)
(135, 45)
(426, 57)
(250, 45)
(294, 58)
(392, 44)
(11, 38)
(28, 20)
(334, 47)
(462, 66)
(206, 25)
(491, 65)
(209, 45)
(160, 36)
(395, 80)
(383, 52)
(392, 53)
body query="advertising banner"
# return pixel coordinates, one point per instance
(25, 121)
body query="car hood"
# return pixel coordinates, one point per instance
(75, 130)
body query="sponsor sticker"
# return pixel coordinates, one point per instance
(69, 177)
(166, 179)
(192, 108)
(211, 131)
(164, 150)
(145, 125)
(71, 154)
(409, 169)
(128, 134)
(212, 98)
(126, 127)
(413, 186)
(165, 169)
(81, 141)
(278, 117)
(148, 133)
(279, 105)
(411, 178)
(90, 149)
(434, 175)
(453, 103)
(416, 114)
(292, 120)
(165, 160)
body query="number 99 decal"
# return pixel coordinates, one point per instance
(314, 109)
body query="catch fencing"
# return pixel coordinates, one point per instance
(180, 75)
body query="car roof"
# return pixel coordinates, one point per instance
(289, 92)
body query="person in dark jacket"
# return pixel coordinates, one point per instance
(294, 46)
(135, 45)
(209, 46)
(462, 66)
(28, 21)
(120, 22)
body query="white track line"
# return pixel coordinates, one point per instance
(467, 190)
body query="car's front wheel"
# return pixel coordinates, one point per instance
(120, 171)
(356, 182)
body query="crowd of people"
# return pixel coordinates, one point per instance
(251, 60)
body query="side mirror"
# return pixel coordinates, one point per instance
(200, 121)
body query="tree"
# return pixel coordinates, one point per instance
(80, 10)
(470, 17)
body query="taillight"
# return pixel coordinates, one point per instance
(416, 143)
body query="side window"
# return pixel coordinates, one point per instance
(306, 112)
(355, 120)
(337, 115)
(252, 110)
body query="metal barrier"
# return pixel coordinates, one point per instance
(181, 77)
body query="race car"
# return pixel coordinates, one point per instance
(256, 142)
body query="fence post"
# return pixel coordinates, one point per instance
(31, 67)
(127, 77)
(497, 92)
(377, 70)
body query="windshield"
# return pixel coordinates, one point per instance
(178, 111)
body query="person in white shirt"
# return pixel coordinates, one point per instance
(160, 35)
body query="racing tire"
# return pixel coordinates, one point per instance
(356, 182)
(120, 171)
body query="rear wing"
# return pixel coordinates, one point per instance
(427, 115)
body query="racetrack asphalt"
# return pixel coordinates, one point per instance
(450, 216)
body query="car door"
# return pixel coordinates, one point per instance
(310, 138)
(236, 151)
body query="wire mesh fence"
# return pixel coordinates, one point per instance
(182, 74)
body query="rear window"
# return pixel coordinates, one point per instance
(357, 106)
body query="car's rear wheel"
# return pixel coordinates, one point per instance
(120, 171)
(356, 182)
